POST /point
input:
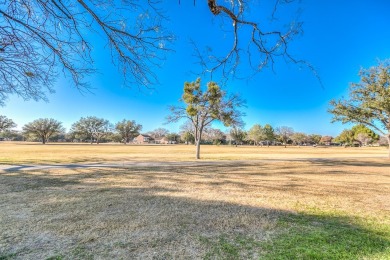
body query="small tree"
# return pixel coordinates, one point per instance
(216, 136)
(159, 133)
(173, 138)
(368, 102)
(299, 138)
(6, 124)
(285, 134)
(187, 137)
(346, 137)
(363, 134)
(43, 128)
(269, 133)
(238, 135)
(256, 134)
(128, 129)
(204, 107)
(92, 127)
(314, 138)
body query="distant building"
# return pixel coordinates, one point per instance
(326, 140)
(144, 139)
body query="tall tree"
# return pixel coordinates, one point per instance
(41, 38)
(43, 128)
(6, 124)
(269, 133)
(256, 134)
(204, 107)
(285, 133)
(92, 127)
(368, 102)
(128, 129)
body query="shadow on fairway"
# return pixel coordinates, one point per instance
(79, 216)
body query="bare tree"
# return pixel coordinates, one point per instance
(253, 39)
(285, 133)
(40, 39)
(158, 133)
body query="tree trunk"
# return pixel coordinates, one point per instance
(198, 149)
(43, 140)
(388, 143)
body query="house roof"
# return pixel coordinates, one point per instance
(146, 136)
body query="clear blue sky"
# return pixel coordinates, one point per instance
(339, 38)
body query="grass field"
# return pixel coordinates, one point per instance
(17, 153)
(250, 203)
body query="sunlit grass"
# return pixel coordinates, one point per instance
(271, 209)
(19, 153)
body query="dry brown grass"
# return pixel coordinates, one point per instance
(17, 153)
(165, 212)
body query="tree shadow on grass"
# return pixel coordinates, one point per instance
(155, 222)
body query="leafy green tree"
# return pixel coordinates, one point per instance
(368, 102)
(92, 127)
(314, 138)
(363, 134)
(204, 107)
(238, 135)
(187, 137)
(128, 129)
(256, 134)
(43, 129)
(173, 137)
(6, 124)
(346, 137)
(269, 133)
(284, 133)
(12, 135)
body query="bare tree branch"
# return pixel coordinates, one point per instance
(39, 38)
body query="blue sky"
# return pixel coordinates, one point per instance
(340, 37)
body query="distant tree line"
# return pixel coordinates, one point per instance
(97, 130)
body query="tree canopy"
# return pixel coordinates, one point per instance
(41, 39)
(256, 134)
(128, 129)
(43, 128)
(368, 102)
(91, 127)
(6, 123)
(204, 107)
(285, 133)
